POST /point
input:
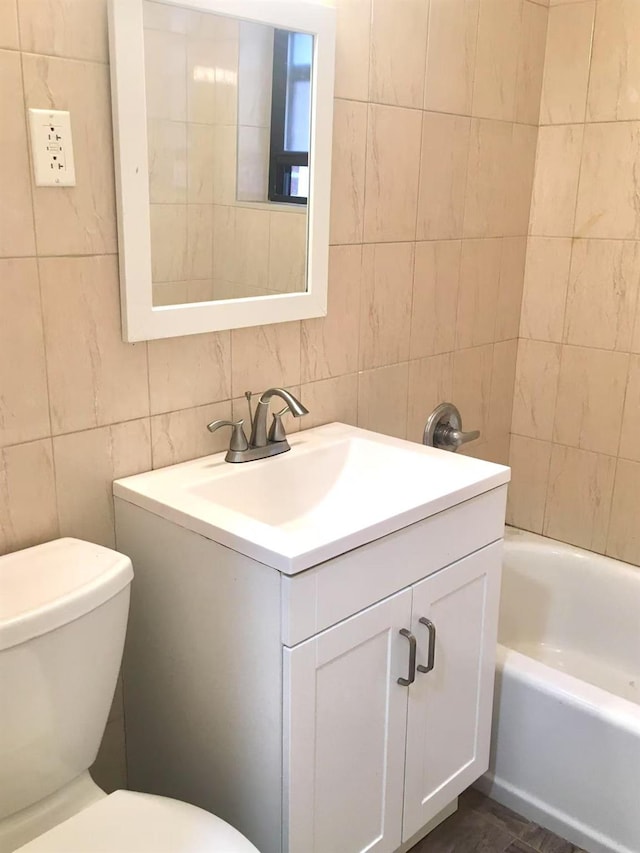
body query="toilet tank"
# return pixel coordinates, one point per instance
(63, 617)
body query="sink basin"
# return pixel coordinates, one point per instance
(338, 488)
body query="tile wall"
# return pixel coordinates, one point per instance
(436, 117)
(575, 448)
(204, 244)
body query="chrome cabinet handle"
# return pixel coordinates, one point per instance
(405, 682)
(431, 652)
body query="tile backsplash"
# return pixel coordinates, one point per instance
(436, 125)
(576, 420)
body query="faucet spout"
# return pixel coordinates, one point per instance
(259, 426)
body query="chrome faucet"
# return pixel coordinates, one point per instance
(261, 445)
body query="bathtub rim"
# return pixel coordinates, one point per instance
(591, 699)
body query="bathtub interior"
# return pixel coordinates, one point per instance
(572, 610)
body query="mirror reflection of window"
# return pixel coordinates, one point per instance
(290, 117)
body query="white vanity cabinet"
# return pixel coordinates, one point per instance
(273, 700)
(370, 762)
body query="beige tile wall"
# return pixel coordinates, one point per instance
(575, 449)
(204, 244)
(435, 136)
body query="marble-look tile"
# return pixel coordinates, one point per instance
(330, 344)
(167, 150)
(28, 512)
(534, 401)
(87, 463)
(200, 290)
(190, 371)
(330, 400)
(434, 309)
(212, 98)
(590, 399)
(24, 395)
(178, 436)
(545, 288)
(385, 304)
(478, 292)
(161, 16)
(579, 497)
(531, 63)
(76, 220)
(451, 54)
(430, 383)
(555, 186)
(253, 163)
(288, 252)
(17, 236)
(241, 245)
(497, 56)
(519, 176)
(109, 770)
(529, 460)
(629, 444)
(265, 357)
(382, 400)
(255, 66)
(503, 375)
(635, 343)
(169, 293)
(94, 378)
(168, 231)
(472, 386)
(200, 164)
(69, 28)
(485, 209)
(443, 176)
(615, 67)
(398, 52)
(199, 258)
(566, 64)
(623, 541)
(165, 61)
(609, 182)
(393, 165)
(603, 291)
(353, 31)
(512, 267)
(347, 171)
(9, 36)
(224, 164)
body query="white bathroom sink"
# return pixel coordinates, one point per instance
(336, 489)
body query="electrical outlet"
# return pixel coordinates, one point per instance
(52, 148)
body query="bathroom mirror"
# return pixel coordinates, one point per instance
(222, 125)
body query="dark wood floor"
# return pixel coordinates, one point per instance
(483, 826)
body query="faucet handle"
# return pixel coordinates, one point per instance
(238, 438)
(277, 432)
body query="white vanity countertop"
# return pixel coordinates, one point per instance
(338, 487)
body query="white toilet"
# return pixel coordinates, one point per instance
(63, 616)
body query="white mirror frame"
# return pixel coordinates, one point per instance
(142, 321)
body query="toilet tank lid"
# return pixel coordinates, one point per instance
(47, 586)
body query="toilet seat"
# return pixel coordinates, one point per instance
(130, 822)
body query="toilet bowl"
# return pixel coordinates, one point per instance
(63, 615)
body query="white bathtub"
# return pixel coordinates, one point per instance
(566, 731)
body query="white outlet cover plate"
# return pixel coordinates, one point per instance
(52, 148)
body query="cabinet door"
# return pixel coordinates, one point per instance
(345, 730)
(449, 719)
